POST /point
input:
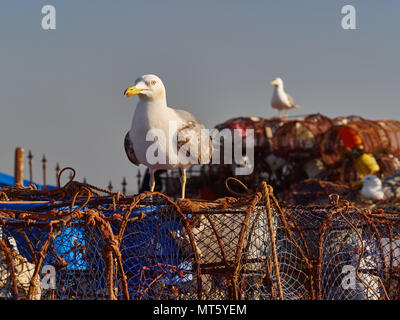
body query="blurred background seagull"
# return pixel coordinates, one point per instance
(152, 112)
(280, 99)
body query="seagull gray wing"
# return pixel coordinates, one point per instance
(187, 116)
(189, 135)
(129, 150)
(292, 102)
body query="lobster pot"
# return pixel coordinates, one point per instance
(313, 191)
(15, 267)
(351, 261)
(388, 228)
(372, 136)
(365, 264)
(70, 250)
(269, 126)
(392, 129)
(314, 167)
(339, 121)
(306, 223)
(388, 163)
(355, 255)
(211, 251)
(157, 257)
(301, 138)
(267, 261)
(84, 273)
(230, 240)
(264, 129)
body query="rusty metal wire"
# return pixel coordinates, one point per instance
(314, 191)
(290, 151)
(264, 130)
(301, 138)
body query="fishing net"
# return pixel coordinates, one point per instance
(54, 256)
(354, 253)
(201, 250)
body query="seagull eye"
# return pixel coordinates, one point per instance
(153, 83)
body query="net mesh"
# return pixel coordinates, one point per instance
(150, 247)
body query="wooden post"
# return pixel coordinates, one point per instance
(19, 167)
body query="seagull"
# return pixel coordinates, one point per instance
(372, 188)
(153, 116)
(280, 99)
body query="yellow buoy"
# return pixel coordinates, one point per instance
(366, 164)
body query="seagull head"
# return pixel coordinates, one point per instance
(277, 82)
(371, 181)
(149, 87)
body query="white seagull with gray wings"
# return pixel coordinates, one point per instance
(152, 112)
(280, 99)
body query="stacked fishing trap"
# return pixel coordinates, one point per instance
(77, 243)
(287, 152)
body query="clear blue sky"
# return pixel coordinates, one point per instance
(61, 91)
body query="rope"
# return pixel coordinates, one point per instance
(200, 224)
(240, 183)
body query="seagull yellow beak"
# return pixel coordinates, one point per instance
(132, 91)
(273, 83)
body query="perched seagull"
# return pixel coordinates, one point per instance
(152, 112)
(372, 188)
(280, 99)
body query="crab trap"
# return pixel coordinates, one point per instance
(88, 246)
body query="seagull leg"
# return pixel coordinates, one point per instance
(183, 182)
(152, 180)
(280, 114)
(287, 114)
